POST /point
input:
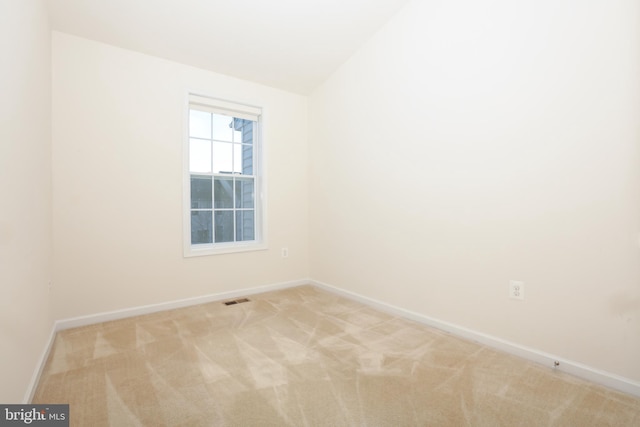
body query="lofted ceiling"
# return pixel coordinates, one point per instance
(288, 44)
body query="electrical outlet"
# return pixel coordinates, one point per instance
(285, 252)
(516, 289)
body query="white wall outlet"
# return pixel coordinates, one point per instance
(285, 252)
(516, 289)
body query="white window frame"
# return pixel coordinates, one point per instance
(237, 110)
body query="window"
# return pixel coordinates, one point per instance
(223, 209)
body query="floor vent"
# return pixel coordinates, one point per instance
(236, 301)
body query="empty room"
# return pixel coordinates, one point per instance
(320, 212)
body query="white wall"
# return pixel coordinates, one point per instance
(470, 143)
(25, 192)
(117, 181)
(465, 145)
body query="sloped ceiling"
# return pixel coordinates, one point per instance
(288, 44)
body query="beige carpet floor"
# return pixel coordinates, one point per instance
(305, 357)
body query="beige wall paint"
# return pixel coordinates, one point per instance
(463, 146)
(25, 192)
(117, 181)
(470, 143)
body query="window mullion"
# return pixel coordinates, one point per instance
(233, 206)
(233, 172)
(212, 129)
(213, 191)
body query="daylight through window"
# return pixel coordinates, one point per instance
(223, 154)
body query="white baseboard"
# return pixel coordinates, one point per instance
(170, 305)
(75, 322)
(35, 378)
(576, 369)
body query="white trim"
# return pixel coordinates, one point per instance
(222, 248)
(170, 305)
(246, 111)
(576, 369)
(60, 325)
(186, 180)
(579, 370)
(222, 106)
(35, 378)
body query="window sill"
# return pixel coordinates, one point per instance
(220, 249)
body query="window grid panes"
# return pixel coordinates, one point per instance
(222, 181)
